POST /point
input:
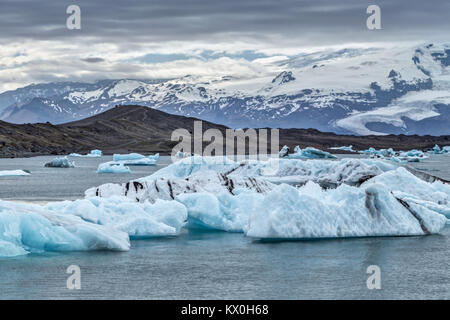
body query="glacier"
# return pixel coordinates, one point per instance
(113, 167)
(30, 228)
(62, 162)
(11, 173)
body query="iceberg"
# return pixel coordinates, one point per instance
(11, 173)
(284, 152)
(312, 212)
(138, 220)
(112, 167)
(310, 153)
(92, 154)
(437, 150)
(344, 148)
(26, 228)
(136, 159)
(181, 155)
(283, 198)
(382, 153)
(62, 162)
(130, 156)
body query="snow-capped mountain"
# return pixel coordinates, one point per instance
(362, 91)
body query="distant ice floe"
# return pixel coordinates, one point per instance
(12, 173)
(62, 162)
(113, 167)
(295, 199)
(437, 150)
(397, 156)
(343, 148)
(134, 156)
(307, 153)
(26, 228)
(92, 154)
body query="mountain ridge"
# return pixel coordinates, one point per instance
(140, 129)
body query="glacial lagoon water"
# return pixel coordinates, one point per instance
(218, 265)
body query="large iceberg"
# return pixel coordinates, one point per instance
(138, 220)
(92, 154)
(61, 162)
(26, 228)
(11, 173)
(283, 198)
(311, 212)
(112, 167)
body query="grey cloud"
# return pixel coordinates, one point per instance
(93, 60)
(310, 22)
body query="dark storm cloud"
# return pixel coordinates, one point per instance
(93, 60)
(310, 22)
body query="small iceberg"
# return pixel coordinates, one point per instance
(344, 148)
(182, 155)
(26, 228)
(92, 154)
(62, 162)
(437, 150)
(113, 167)
(382, 153)
(12, 173)
(130, 156)
(310, 153)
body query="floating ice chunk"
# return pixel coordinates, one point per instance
(61, 162)
(310, 153)
(92, 154)
(10, 173)
(113, 167)
(154, 157)
(181, 155)
(28, 228)
(383, 153)
(437, 150)
(163, 218)
(311, 212)
(344, 148)
(130, 156)
(140, 162)
(284, 152)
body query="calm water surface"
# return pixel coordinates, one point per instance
(218, 265)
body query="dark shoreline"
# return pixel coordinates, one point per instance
(126, 129)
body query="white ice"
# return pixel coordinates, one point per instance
(113, 167)
(10, 173)
(92, 154)
(62, 162)
(26, 228)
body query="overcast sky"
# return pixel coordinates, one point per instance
(170, 38)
